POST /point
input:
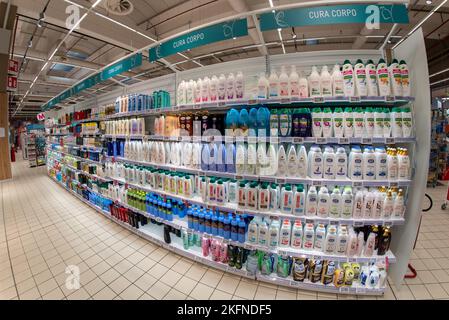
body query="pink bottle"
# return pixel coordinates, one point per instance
(224, 253)
(205, 246)
(215, 250)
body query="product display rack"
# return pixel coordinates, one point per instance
(272, 103)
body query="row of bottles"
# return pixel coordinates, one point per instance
(273, 160)
(142, 102)
(211, 89)
(349, 80)
(333, 239)
(289, 199)
(89, 128)
(133, 126)
(188, 124)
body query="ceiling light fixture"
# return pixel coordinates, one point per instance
(282, 41)
(421, 22)
(428, 1)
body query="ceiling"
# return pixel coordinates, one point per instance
(104, 37)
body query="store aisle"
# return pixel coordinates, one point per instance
(44, 229)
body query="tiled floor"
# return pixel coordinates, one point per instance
(44, 229)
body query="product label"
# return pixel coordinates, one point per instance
(294, 88)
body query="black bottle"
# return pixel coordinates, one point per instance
(167, 237)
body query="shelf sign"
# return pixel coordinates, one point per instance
(13, 67)
(339, 14)
(12, 83)
(201, 37)
(117, 68)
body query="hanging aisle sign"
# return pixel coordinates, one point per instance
(201, 37)
(339, 14)
(111, 71)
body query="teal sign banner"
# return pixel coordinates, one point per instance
(120, 67)
(201, 37)
(339, 14)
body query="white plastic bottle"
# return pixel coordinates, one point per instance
(360, 243)
(348, 77)
(352, 244)
(369, 122)
(330, 244)
(197, 88)
(341, 164)
(337, 82)
(360, 79)
(324, 202)
(396, 123)
(292, 161)
(274, 197)
(327, 122)
(347, 204)
(240, 159)
(378, 123)
(405, 78)
(359, 122)
(383, 78)
(253, 231)
(317, 122)
(358, 205)
(355, 166)
(264, 198)
(368, 205)
(348, 123)
(230, 87)
(387, 123)
(407, 122)
(342, 240)
(284, 90)
(329, 160)
(336, 207)
(262, 91)
(221, 89)
(379, 198)
(282, 162)
(320, 237)
(213, 89)
(388, 206)
(326, 82)
(286, 199)
(309, 236)
(205, 89)
(273, 81)
(274, 232)
(392, 163)
(239, 86)
(381, 163)
(302, 162)
(190, 92)
(338, 122)
(297, 235)
(395, 78)
(369, 164)
(285, 233)
(312, 202)
(371, 79)
(264, 234)
(303, 86)
(252, 159)
(181, 94)
(314, 83)
(315, 163)
(403, 164)
(369, 246)
(294, 83)
(299, 200)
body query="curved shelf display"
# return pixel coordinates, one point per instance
(153, 234)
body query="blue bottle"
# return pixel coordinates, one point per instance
(220, 225)
(122, 149)
(221, 158)
(208, 224)
(205, 157)
(202, 222)
(234, 230)
(227, 228)
(196, 226)
(214, 225)
(189, 218)
(241, 231)
(230, 158)
(114, 150)
(213, 157)
(169, 212)
(252, 122)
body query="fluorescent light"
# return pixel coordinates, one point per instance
(421, 22)
(282, 42)
(271, 3)
(96, 3)
(439, 72)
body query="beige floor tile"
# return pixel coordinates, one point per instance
(56, 294)
(145, 282)
(427, 276)
(228, 284)
(8, 293)
(146, 264)
(420, 292)
(174, 294)
(211, 278)
(79, 294)
(94, 286)
(47, 286)
(436, 291)
(32, 294)
(133, 274)
(135, 258)
(264, 293)
(105, 294)
(170, 278)
(109, 276)
(201, 292)
(441, 275)
(131, 293)
(246, 290)
(186, 285)
(146, 296)
(159, 290)
(220, 295)
(120, 284)
(158, 271)
(26, 285)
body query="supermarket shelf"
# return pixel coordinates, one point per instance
(94, 176)
(196, 256)
(62, 153)
(292, 140)
(233, 208)
(308, 181)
